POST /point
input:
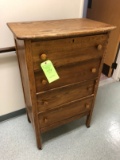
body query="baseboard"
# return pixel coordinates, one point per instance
(12, 114)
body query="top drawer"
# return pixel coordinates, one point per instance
(68, 50)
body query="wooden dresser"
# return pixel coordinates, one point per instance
(76, 48)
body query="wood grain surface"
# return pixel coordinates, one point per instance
(74, 73)
(65, 121)
(76, 48)
(59, 96)
(69, 50)
(66, 111)
(58, 28)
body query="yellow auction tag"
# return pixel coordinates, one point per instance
(49, 71)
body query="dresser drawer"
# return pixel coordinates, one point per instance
(66, 111)
(68, 50)
(57, 97)
(68, 74)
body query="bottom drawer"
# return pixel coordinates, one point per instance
(65, 112)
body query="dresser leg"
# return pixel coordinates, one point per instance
(39, 141)
(88, 120)
(28, 118)
(38, 135)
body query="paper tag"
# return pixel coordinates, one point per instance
(49, 71)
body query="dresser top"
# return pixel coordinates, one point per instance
(57, 28)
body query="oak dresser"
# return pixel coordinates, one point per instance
(76, 47)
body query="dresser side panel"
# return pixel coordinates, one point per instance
(20, 49)
(29, 63)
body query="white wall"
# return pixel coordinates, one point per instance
(24, 10)
(11, 95)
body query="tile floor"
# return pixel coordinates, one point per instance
(105, 80)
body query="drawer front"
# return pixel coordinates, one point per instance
(69, 50)
(65, 112)
(68, 75)
(57, 97)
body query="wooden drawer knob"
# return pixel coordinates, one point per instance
(43, 57)
(87, 106)
(45, 120)
(96, 81)
(94, 70)
(44, 102)
(44, 82)
(99, 47)
(89, 88)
